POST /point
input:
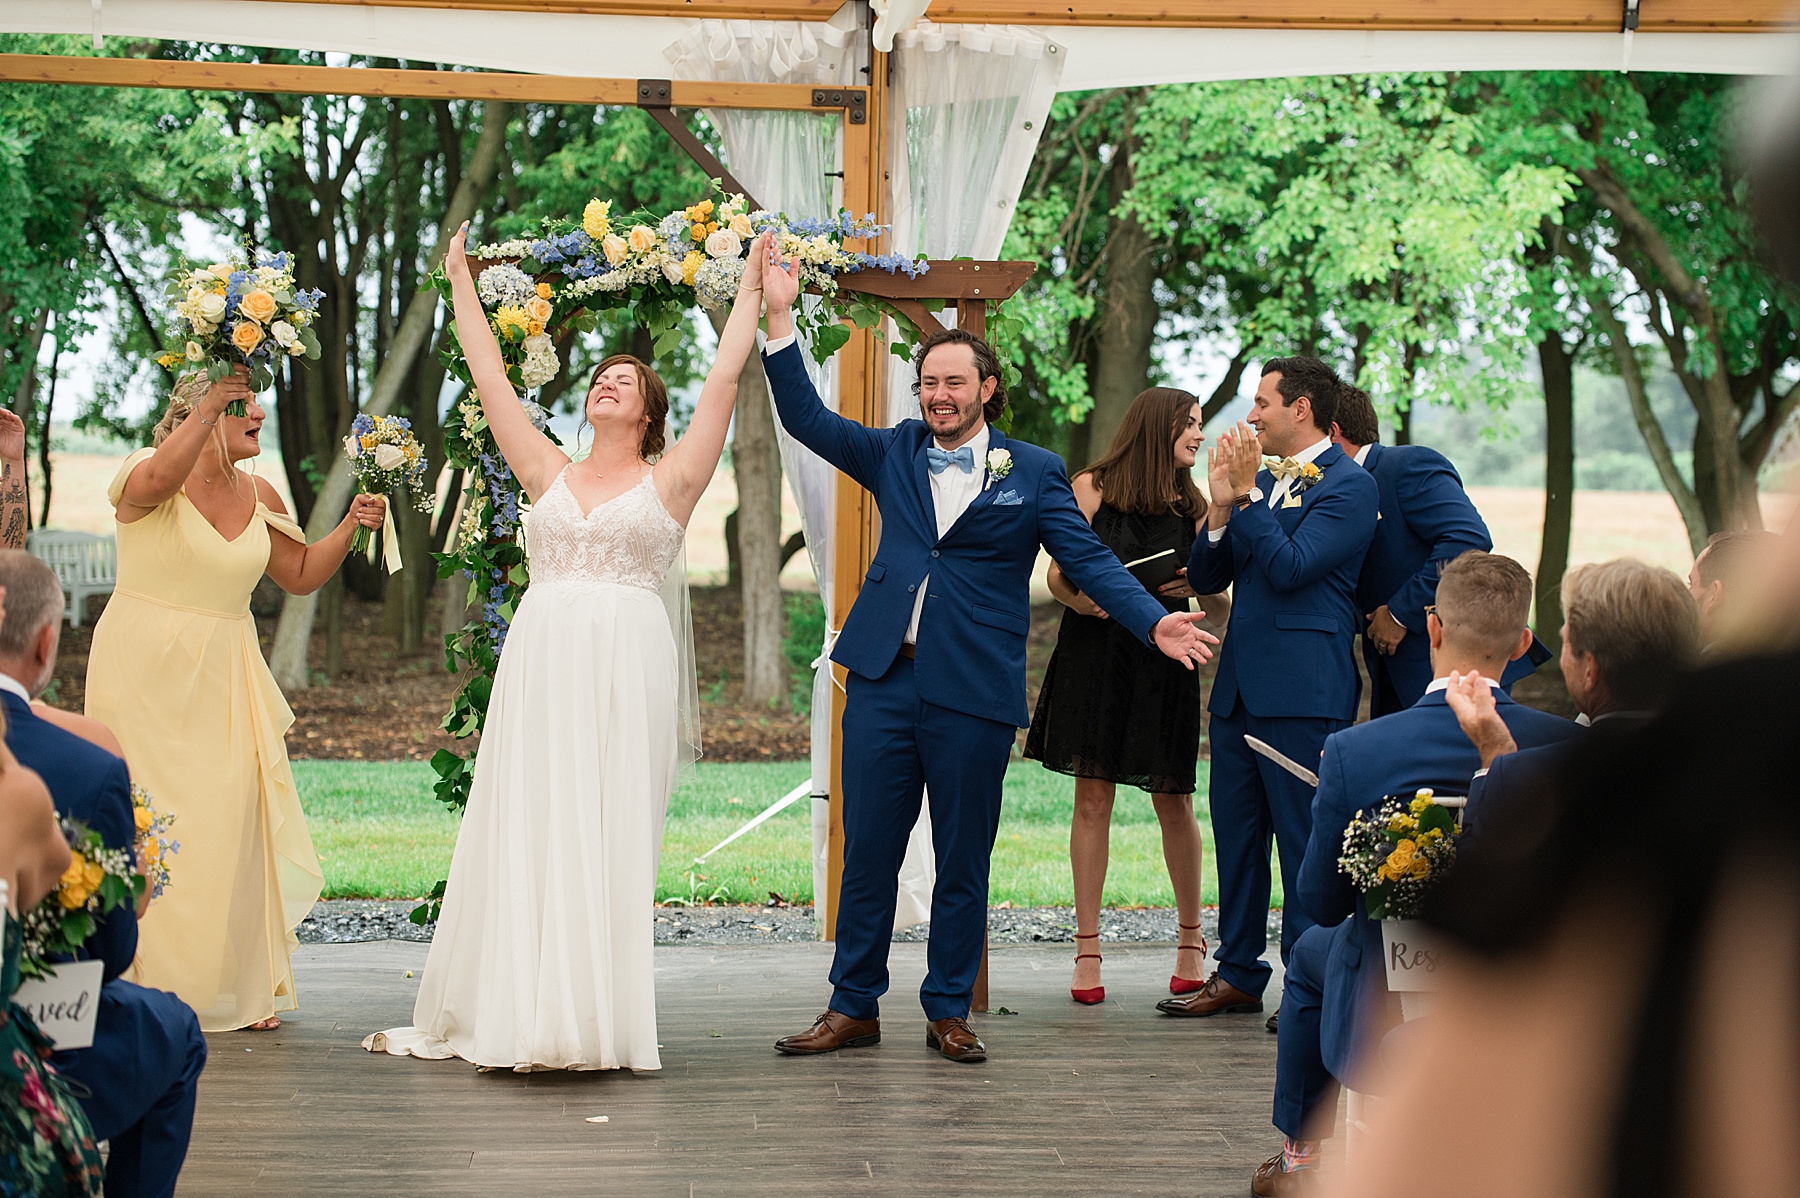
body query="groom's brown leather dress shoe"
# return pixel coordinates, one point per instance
(831, 1031)
(1270, 1182)
(1218, 995)
(955, 1039)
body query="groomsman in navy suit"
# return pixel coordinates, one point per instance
(1331, 1001)
(142, 1071)
(1426, 520)
(1289, 538)
(935, 651)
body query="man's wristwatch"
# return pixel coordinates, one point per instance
(1253, 495)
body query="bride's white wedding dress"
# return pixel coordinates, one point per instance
(542, 955)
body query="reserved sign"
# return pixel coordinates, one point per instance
(65, 1004)
(1413, 954)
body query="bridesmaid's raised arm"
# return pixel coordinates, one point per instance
(158, 477)
(690, 465)
(533, 457)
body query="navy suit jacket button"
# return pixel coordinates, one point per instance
(910, 588)
(934, 553)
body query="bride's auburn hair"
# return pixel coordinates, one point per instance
(656, 401)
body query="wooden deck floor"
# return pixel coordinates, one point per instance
(1093, 1101)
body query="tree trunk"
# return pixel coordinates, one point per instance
(28, 356)
(1558, 365)
(44, 466)
(1128, 309)
(756, 461)
(1227, 389)
(1632, 374)
(287, 656)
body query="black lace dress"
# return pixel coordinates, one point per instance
(1111, 706)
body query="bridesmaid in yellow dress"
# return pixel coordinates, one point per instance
(176, 672)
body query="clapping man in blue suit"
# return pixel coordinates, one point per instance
(143, 1068)
(1331, 1010)
(1289, 538)
(935, 652)
(1426, 519)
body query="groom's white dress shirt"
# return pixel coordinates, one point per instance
(14, 686)
(952, 491)
(1282, 486)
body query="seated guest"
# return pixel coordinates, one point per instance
(142, 1070)
(1426, 520)
(1331, 1009)
(1629, 630)
(1724, 571)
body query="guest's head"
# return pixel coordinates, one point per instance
(1628, 631)
(234, 438)
(1478, 621)
(1356, 424)
(1295, 404)
(1728, 566)
(1149, 468)
(31, 608)
(627, 399)
(958, 383)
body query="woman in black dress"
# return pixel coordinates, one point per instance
(1112, 710)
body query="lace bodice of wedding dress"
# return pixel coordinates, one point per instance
(630, 540)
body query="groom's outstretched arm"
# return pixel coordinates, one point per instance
(855, 449)
(1089, 564)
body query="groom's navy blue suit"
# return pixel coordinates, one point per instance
(1426, 520)
(143, 1070)
(1335, 976)
(1287, 676)
(942, 721)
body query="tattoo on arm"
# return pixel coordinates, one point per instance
(13, 499)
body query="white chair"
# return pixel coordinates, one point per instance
(85, 564)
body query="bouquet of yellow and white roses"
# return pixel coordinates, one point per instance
(97, 880)
(238, 313)
(1398, 853)
(384, 455)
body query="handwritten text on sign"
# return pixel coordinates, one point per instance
(65, 1004)
(1414, 955)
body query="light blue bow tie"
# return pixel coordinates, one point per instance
(941, 460)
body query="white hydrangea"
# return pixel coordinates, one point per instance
(505, 286)
(716, 282)
(541, 362)
(518, 247)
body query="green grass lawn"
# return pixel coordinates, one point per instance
(381, 834)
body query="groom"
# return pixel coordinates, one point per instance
(935, 651)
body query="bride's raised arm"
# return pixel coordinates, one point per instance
(686, 469)
(533, 457)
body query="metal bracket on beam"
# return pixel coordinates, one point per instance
(853, 100)
(653, 96)
(1630, 23)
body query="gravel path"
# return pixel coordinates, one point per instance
(343, 921)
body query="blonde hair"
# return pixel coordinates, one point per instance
(1639, 622)
(183, 400)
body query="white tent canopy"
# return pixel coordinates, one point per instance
(630, 47)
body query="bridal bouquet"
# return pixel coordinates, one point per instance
(97, 880)
(241, 313)
(384, 455)
(535, 288)
(1396, 855)
(153, 843)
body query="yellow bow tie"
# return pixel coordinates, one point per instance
(1286, 469)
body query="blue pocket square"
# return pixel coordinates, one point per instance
(1007, 499)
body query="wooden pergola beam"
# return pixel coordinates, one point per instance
(1542, 16)
(381, 81)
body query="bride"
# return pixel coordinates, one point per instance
(542, 955)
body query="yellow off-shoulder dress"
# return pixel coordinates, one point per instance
(176, 672)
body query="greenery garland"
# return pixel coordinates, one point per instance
(657, 266)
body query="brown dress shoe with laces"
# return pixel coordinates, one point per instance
(831, 1031)
(1218, 995)
(1270, 1182)
(955, 1039)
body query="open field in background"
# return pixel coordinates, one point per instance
(381, 834)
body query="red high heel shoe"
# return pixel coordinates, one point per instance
(1096, 995)
(1181, 985)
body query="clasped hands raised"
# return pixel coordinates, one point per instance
(1232, 464)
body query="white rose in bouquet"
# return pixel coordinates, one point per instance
(724, 244)
(352, 446)
(671, 269)
(284, 333)
(389, 457)
(210, 307)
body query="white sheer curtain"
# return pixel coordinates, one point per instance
(784, 159)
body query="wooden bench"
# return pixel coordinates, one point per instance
(85, 564)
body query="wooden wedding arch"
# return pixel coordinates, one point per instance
(969, 286)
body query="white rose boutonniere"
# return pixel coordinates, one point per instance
(999, 465)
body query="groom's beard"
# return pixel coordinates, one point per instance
(960, 430)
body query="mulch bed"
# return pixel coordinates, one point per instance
(384, 707)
